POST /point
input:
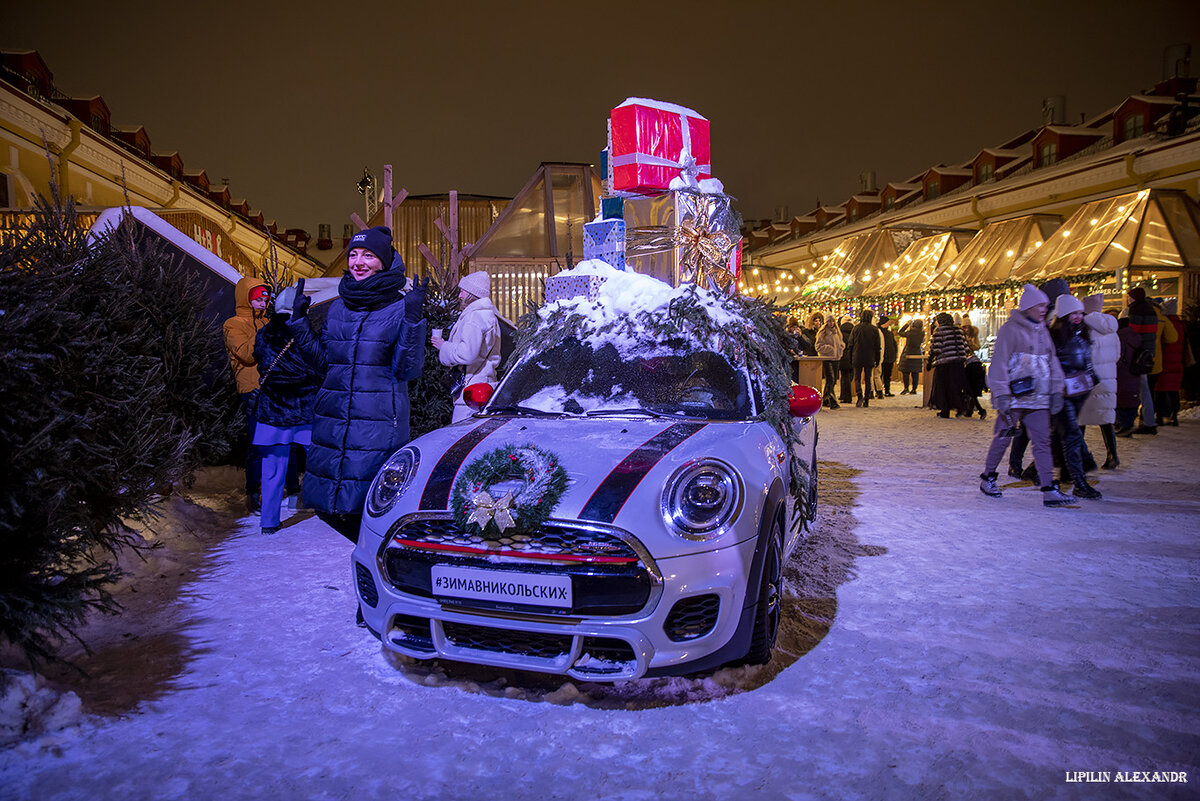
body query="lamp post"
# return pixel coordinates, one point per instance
(366, 187)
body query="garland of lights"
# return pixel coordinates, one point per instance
(476, 508)
(995, 296)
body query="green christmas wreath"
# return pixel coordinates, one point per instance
(494, 513)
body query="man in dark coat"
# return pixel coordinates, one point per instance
(1144, 322)
(864, 342)
(371, 347)
(889, 353)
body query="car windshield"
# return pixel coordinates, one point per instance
(572, 378)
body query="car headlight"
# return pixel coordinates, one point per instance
(392, 480)
(701, 498)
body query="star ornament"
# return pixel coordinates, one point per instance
(487, 511)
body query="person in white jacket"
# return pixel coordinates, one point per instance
(474, 342)
(1100, 406)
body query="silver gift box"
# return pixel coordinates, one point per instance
(681, 236)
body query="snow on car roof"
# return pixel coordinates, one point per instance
(625, 301)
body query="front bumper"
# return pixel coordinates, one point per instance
(694, 608)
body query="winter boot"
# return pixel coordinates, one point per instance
(1052, 496)
(1030, 474)
(1015, 472)
(987, 485)
(1110, 445)
(1086, 490)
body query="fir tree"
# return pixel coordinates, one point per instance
(114, 391)
(431, 396)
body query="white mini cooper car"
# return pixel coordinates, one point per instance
(614, 511)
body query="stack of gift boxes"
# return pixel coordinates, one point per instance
(662, 212)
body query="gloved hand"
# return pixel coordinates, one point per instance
(300, 305)
(1056, 403)
(1002, 403)
(414, 301)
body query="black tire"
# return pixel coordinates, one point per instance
(770, 600)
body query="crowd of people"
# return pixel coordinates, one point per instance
(1059, 364)
(324, 409)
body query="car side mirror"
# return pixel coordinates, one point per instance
(804, 401)
(476, 395)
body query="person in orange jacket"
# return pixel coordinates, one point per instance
(251, 297)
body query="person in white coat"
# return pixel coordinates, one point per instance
(474, 341)
(1100, 406)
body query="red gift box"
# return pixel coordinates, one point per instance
(648, 137)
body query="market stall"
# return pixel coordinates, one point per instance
(1150, 238)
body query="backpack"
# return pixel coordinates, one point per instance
(1141, 362)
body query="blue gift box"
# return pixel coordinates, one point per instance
(612, 208)
(605, 240)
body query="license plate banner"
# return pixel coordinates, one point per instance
(501, 586)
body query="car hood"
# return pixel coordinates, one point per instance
(616, 467)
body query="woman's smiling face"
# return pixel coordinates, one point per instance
(363, 263)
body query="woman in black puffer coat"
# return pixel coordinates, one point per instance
(911, 359)
(948, 353)
(846, 365)
(289, 378)
(372, 346)
(1072, 343)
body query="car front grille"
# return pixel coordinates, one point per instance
(602, 658)
(610, 575)
(507, 641)
(552, 539)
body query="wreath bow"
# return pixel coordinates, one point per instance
(487, 510)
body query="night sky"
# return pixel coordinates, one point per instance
(290, 103)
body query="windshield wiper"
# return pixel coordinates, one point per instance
(516, 408)
(615, 412)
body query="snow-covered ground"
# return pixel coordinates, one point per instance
(939, 644)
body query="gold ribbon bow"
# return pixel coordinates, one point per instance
(487, 510)
(704, 251)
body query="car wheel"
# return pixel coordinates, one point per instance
(770, 601)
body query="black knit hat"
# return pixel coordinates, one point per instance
(378, 240)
